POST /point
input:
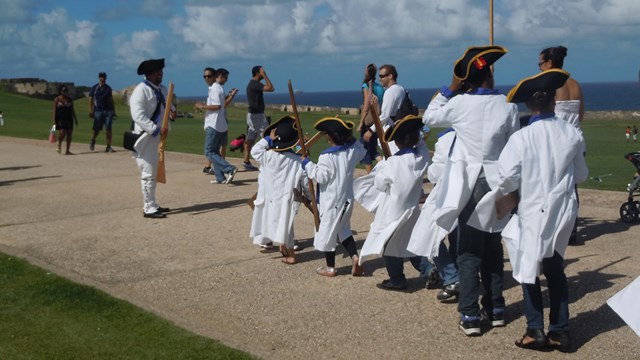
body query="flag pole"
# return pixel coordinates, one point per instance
(490, 22)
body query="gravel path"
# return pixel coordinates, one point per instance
(80, 216)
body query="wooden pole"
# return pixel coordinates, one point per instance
(380, 131)
(312, 192)
(161, 176)
(490, 22)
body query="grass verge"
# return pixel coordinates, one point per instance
(44, 316)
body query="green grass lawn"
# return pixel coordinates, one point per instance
(31, 118)
(43, 316)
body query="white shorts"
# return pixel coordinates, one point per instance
(256, 123)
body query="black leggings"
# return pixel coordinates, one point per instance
(349, 244)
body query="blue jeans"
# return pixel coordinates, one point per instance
(395, 268)
(553, 270)
(212, 142)
(481, 253)
(445, 265)
(102, 118)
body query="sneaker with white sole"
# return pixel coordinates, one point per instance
(229, 176)
(495, 318)
(470, 325)
(449, 293)
(249, 166)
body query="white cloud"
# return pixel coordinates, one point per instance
(16, 11)
(549, 20)
(52, 38)
(139, 46)
(80, 40)
(159, 8)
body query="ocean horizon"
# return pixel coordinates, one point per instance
(605, 96)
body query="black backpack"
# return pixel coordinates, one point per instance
(407, 107)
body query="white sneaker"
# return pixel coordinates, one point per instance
(229, 176)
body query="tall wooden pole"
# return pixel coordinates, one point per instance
(303, 149)
(490, 22)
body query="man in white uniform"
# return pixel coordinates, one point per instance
(483, 121)
(147, 107)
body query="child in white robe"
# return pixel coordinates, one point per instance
(334, 175)
(280, 173)
(542, 162)
(400, 181)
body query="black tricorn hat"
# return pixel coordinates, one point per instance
(333, 124)
(286, 131)
(410, 123)
(551, 79)
(477, 57)
(149, 66)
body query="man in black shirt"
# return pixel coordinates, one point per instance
(256, 120)
(102, 110)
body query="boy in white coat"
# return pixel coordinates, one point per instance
(483, 122)
(400, 180)
(280, 173)
(542, 163)
(334, 175)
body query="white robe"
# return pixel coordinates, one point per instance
(543, 162)
(275, 208)
(426, 235)
(483, 124)
(334, 175)
(400, 182)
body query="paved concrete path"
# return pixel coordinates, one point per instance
(80, 216)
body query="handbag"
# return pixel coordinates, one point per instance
(130, 139)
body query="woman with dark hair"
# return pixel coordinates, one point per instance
(569, 99)
(63, 117)
(372, 92)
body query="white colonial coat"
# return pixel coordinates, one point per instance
(483, 124)
(426, 235)
(543, 161)
(334, 175)
(400, 182)
(275, 208)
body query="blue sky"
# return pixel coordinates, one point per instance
(321, 45)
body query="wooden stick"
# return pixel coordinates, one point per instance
(316, 216)
(490, 22)
(380, 131)
(161, 176)
(309, 143)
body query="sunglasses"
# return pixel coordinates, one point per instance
(542, 62)
(207, 76)
(382, 76)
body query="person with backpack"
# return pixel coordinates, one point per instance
(392, 101)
